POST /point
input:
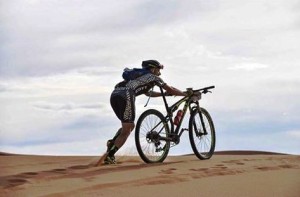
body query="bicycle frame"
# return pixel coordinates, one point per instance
(175, 134)
(170, 110)
(156, 133)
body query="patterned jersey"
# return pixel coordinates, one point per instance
(141, 85)
(123, 97)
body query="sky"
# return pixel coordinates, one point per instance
(60, 60)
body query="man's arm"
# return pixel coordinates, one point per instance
(153, 94)
(173, 91)
(169, 91)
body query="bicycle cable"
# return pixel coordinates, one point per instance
(149, 98)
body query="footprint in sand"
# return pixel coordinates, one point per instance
(17, 181)
(287, 166)
(80, 167)
(236, 162)
(59, 170)
(14, 182)
(30, 173)
(168, 171)
(199, 170)
(268, 168)
(220, 166)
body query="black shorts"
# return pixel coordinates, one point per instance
(123, 104)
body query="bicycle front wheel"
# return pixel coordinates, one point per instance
(150, 137)
(202, 140)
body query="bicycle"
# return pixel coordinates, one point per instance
(155, 133)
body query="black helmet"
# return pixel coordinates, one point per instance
(152, 64)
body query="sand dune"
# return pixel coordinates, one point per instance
(227, 173)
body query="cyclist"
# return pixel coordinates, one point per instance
(123, 103)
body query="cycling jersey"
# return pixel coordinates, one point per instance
(123, 97)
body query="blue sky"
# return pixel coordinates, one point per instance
(59, 61)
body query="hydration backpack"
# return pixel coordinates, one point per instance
(131, 74)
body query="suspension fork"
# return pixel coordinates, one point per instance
(202, 122)
(199, 133)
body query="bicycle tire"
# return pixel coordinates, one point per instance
(202, 144)
(152, 150)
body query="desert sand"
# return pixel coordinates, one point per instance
(230, 173)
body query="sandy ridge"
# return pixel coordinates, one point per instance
(77, 176)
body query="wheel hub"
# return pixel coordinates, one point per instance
(153, 137)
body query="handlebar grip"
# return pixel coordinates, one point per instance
(204, 89)
(210, 87)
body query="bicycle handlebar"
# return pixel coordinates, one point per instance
(204, 89)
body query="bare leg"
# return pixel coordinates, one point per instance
(126, 130)
(117, 134)
(120, 140)
(111, 142)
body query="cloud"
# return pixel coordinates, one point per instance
(3, 88)
(248, 66)
(294, 134)
(108, 34)
(98, 71)
(85, 81)
(67, 107)
(79, 35)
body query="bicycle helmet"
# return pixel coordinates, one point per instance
(152, 64)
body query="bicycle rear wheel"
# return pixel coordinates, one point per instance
(202, 141)
(150, 129)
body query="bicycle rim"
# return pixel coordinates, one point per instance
(203, 144)
(150, 128)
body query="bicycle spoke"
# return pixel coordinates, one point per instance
(150, 129)
(202, 142)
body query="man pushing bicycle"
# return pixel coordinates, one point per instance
(123, 103)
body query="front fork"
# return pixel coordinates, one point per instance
(199, 132)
